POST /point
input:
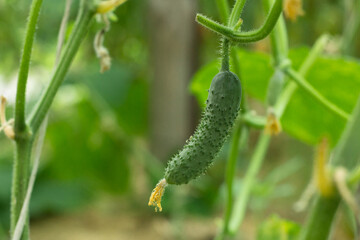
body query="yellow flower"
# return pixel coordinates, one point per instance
(293, 9)
(109, 5)
(273, 126)
(322, 175)
(156, 195)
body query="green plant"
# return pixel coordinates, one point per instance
(26, 128)
(222, 106)
(282, 94)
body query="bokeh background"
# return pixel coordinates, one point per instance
(110, 135)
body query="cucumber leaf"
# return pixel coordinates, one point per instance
(336, 78)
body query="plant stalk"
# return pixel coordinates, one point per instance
(225, 58)
(21, 170)
(238, 143)
(84, 18)
(223, 7)
(244, 37)
(24, 140)
(20, 125)
(236, 12)
(238, 213)
(318, 226)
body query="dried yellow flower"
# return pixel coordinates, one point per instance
(6, 126)
(156, 195)
(322, 175)
(293, 9)
(273, 126)
(107, 6)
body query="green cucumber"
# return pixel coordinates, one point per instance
(222, 107)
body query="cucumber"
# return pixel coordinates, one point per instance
(222, 107)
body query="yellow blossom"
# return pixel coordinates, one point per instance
(156, 195)
(293, 9)
(109, 5)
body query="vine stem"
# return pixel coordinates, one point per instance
(23, 143)
(244, 37)
(236, 12)
(225, 59)
(80, 30)
(21, 169)
(24, 140)
(238, 143)
(223, 7)
(20, 125)
(256, 162)
(22, 221)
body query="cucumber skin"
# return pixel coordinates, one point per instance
(222, 107)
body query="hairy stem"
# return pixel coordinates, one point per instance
(20, 125)
(244, 37)
(225, 58)
(236, 12)
(80, 30)
(21, 169)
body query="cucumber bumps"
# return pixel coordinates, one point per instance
(222, 108)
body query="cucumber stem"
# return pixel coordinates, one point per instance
(226, 48)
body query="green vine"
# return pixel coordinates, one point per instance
(20, 126)
(24, 135)
(244, 37)
(86, 13)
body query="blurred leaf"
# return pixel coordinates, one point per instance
(338, 79)
(276, 228)
(55, 196)
(274, 186)
(126, 94)
(79, 145)
(5, 183)
(112, 85)
(5, 193)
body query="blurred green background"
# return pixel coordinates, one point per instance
(103, 152)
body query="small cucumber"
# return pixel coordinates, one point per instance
(222, 107)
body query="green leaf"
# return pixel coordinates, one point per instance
(336, 78)
(276, 228)
(57, 196)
